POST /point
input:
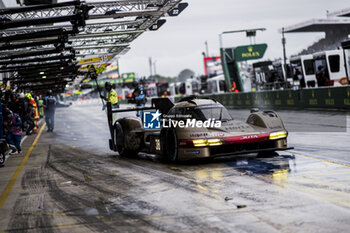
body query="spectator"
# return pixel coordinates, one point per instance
(19, 106)
(13, 125)
(50, 107)
(28, 117)
(321, 76)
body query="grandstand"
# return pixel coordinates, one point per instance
(336, 28)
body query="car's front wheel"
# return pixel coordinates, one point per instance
(2, 158)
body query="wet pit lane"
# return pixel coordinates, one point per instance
(72, 182)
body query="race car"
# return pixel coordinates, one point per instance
(197, 128)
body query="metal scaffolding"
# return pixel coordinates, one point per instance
(93, 28)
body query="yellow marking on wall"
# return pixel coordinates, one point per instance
(313, 101)
(290, 102)
(329, 101)
(347, 101)
(12, 181)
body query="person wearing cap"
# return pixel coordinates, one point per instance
(112, 96)
(138, 97)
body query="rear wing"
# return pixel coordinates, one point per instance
(161, 104)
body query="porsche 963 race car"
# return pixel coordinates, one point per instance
(196, 128)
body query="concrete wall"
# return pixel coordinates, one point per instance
(327, 97)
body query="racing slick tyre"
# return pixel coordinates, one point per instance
(119, 140)
(2, 159)
(170, 153)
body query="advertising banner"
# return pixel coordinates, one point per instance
(212, 66)
(249, 52)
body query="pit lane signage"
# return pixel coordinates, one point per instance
(98, 68)
(178, 9)
(249, 52)
(157, 25)
(128, 77)
(91, 60)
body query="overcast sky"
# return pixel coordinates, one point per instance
(180, 42)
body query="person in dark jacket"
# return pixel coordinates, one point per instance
(13, 125)
(50, 107)
(28, 117)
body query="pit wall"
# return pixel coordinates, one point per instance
(325, 97)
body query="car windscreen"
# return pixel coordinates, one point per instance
(204, 113)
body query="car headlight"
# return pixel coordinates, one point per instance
(278, 135)
(207, 142)
(200, 142)
(214, 142)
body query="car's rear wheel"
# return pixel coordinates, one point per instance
(119, 140)
(170, 151)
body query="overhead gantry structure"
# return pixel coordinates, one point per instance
(41, 45)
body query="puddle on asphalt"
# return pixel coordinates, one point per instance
(277, 168)
(129, 205)
(91, 212)
(264, 166)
